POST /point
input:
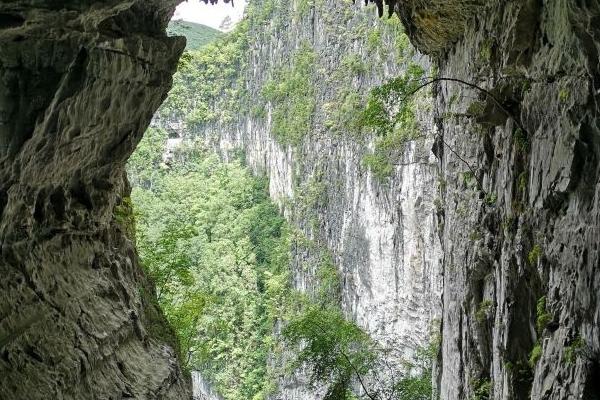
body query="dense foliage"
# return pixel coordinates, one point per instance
(292, 97)
(344, 359)
(336, 351)
(217, 250)
(207, 86)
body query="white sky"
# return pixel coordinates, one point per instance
(211, 15)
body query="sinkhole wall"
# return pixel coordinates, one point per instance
(379, 229)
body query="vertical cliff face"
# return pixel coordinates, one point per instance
(380, 231)
(379, 228)
(79, 84)
(520, 199)
(511, 193)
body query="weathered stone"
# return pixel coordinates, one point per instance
(533, 228)
(79, 82)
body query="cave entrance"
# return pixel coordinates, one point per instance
(246, 290)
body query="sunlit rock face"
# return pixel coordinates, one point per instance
(79, 82)
(521, 314)
(202, 390)
(381, 233)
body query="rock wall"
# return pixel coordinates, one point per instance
(202, 390)
(515, 228)
(520, 222)
(79, 82)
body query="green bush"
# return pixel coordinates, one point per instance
(304, 7)
(341, 114)
(390, 115)
(374, 40)
(332, 347)
(482, 389)
(543, 316)
(483, 311)
(573, 350)
(124, 216)
(534, 255)
(379, 164)
(535, 354)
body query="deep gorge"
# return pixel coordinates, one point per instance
(463, 211)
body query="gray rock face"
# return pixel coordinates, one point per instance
(79, 82)
(202, 390)
(521, 315)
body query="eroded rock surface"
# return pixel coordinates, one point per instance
(79, 82)
(521, 220)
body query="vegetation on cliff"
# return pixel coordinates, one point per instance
(218, 250)
(219, 254)
(310, 91)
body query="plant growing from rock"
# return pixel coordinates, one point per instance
(291, 95)
(344, 359)
(483, 311)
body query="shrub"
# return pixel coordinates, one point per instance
(535, 355)
(379, 164)
(543, 316)
(374, 40)
(482, 389)
(483, 311)
(340, 355)
(574, 349)
(390, 115)
(534, 255)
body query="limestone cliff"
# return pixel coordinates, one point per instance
(512, 193)
(379, 230)
(79, 82)
(520, 226)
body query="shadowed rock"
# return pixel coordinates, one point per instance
(79, 82)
